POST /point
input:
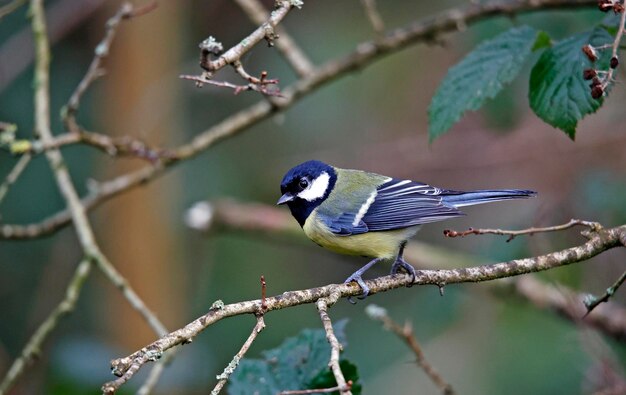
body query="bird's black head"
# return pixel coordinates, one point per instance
(305, 187)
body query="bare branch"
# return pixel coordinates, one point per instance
(156, 372)
(33, 347)
(282, 40)
(263, 294)
(94, 71)
(371, 10)
(11, 7)
(66, 187)
(13, 175)
(610, 319)
(335, 347)
(347, 387)
(93, 198)
(600, 86)
(61, 173)
(406, 334)
(223, 378)
(120, 146)
(603, 240)
(252, 86)
(591, 302)
(364, 54)
(263, 220)
(593, 226)
(235, 53)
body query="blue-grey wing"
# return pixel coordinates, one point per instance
(403, 203)
(396, 204)
(344, 224)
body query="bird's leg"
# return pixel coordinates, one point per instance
(401, 263)
(356, 277)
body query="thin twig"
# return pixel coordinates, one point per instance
(371, 10)
(263, 294)
(593, 226)
(261, 88)
(13, 175)
(33, 347)
(223, 378)
(604, 240)
(156, 372)
(406, 334)
(235, 53)
(591, 302)
(347, 387)
(94, 71)
(61, 174)
(120, 146)
(262, 80)
(364, 54)
(11, 7)
(335, 347)
(610, 319)
(608, 79)
(288, 48)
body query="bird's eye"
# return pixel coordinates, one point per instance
(303, 183)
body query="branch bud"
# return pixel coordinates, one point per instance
(590, 52)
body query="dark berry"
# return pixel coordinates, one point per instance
(595, 81)
(597, 92)
(589, 74)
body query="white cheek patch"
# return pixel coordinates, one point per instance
(317, 189)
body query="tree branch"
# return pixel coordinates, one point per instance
(13, 175)
(323, 304)
(610, 320)
(599, 241)
(261, 87)
(269, 221)
(364, 54)
(235, 53)
(593, 226)
(371, 11)
(33, 347)
(223, 378)
(94, 71)
(11, 7)
(76, 209)
(591, 302)
(287, 47)
(405, 333)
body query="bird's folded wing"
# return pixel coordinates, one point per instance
(396, 204)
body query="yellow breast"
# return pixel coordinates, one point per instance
(383, 244)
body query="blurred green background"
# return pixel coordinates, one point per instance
(374, 119)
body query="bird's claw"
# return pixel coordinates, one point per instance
(359, 280)
(356, 277)
(402, 264)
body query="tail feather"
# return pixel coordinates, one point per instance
(485, 196)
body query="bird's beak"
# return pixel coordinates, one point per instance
(287, 197)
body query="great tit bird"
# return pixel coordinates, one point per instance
(359, 213)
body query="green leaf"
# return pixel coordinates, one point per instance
(558, 94)
(300, 362)
(543, 40)
(480, 75)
